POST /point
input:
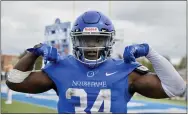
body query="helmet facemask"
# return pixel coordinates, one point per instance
(92, 49)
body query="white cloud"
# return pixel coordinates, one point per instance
(159, 23)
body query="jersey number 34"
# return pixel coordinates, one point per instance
(103, 96)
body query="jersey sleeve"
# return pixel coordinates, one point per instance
(141, 69)
(53, 70)
(49, 70)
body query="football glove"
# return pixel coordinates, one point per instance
(135, 51)
(49, 53)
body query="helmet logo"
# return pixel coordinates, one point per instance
(91, 29)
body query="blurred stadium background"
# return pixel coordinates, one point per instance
(57, 35)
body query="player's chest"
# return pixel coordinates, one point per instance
(89, 79)
(93, 88)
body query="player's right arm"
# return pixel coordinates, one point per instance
(36, 82)
(22, 79)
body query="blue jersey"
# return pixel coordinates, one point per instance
(85, 90)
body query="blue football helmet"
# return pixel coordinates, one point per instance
(93, 37)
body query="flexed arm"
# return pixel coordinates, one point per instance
(165, 83)
(23, 79)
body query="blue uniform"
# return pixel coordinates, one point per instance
(85, 90)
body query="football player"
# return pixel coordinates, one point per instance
(91, 81)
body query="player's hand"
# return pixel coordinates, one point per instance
(135, 51)
(49, 53)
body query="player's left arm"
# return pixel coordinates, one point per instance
(165, 83)
(147, 84)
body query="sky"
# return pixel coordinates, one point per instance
(161, 24)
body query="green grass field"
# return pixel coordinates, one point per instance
(20, 107)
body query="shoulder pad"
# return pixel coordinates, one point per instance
(142, 69)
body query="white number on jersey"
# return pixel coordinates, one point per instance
(103, 96)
